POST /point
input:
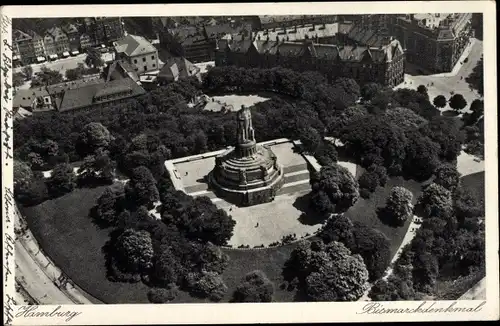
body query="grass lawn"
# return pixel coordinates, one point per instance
(68, 236)
(365, 210)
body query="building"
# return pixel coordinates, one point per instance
(383, 64)
(119, 69)
(73, 37)
(433, 41)
(23, 47)
(269, 21)
(322, 33)
(61, 41)
(50, 46)
(246, 174)
(86, 42)
(189, 42)
(104, 30)
(39, 46)
(178, 68)
(85, 94)
(138, 52)
(197, 44)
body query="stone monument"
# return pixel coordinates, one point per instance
(248, 173)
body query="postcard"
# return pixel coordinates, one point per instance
(249, 163)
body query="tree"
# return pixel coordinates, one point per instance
(168, 269)
(436, 201)
(339, 229)
(422, 90)
(476, 78)
(141, 188)
(74, 74)
(46, 77)
(310, 139)
(395, 288)
(399, 205)
(135, 250)
(446, 132)
(440, 101)
(447, 176)
(381, 173)
(255, 287)
(336, 184)
(467, 205)
(109, 205)
(207, 284)
(369, 181)
(326, 154)
(404, 118)
(94, 58)
(62, 180)
(374, 247)
(18, 79)
(422, 156)
(370, 90)
(27, 72)
(23, 175)
(97, 168)
(457, 102)
(163, 295)
(327, 283)
(94, 136)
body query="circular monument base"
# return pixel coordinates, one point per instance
(248, 197)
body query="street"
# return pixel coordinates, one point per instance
(444, 84)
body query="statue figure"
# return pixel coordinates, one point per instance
(264, 171)
(243, 177)
(245, 130)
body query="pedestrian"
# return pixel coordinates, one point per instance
(257, 225)
(186, 174)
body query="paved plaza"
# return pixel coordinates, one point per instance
(236, 101)
(445, 84)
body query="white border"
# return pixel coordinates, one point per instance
(279, 312)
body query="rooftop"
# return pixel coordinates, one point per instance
(19, 36)
(300, 33)
(133, 45)
(178, 67)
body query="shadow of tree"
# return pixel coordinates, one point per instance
(309, 216)
(450, 113)
(386, 217)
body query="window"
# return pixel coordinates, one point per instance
(135, 60)
(152, 57)
(136, 69)
(145, 68)
(144, 59)
(154, 65)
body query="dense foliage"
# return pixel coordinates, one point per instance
(322, 271)
(254, 287)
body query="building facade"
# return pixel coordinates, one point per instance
(278, 21)
(38, 45)
(433, 41)
(138, 52)
(73, 35)
(23, 47)
(383, 64)
(60, 39)
(86, 42)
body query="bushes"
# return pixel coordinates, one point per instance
(162, 295)
(135, 250)
(206, 285)
(254, 287)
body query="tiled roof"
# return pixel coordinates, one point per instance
(133, 45)
(178, 67)
(300, 33)
(120, 69)
(19, 36)
(85, 96)
(328, 51)
(366, 36)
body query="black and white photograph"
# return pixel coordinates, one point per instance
(212, 158)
